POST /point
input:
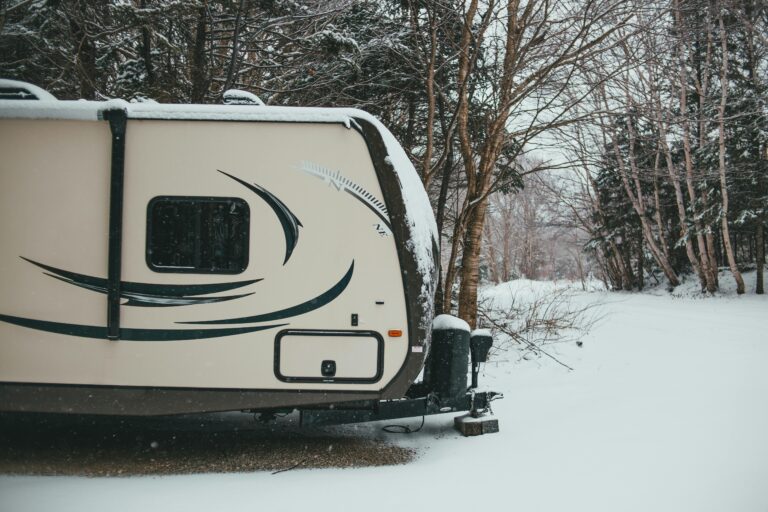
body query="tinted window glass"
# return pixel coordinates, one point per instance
(197, 234)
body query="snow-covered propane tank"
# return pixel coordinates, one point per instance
(446, 374)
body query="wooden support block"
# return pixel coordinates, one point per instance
(471, 426)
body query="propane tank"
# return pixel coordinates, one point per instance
(449, 358)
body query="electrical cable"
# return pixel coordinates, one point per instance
(403, 429)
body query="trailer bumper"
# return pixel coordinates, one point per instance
(475, 403)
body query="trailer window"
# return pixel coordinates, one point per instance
(197, 234)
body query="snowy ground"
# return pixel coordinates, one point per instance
(665, 411)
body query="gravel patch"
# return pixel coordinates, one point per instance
(221, 443)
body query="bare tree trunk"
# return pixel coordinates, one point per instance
(636, 198)
(491, 257)
(640, 268)
(234, 58)
(467, 311)
(760, 254)
(450, 275)
(507, 246)
(427, 170)
(760, 154)
(701, 82)
(198, 74)
(709, 238)
(625, 270)
(470, 263)
(410, 130)
(146, 49)
(721, 141)
(657, 206)
(451, 271)
(614, 272)
(85, 53)
(629, 279)
(708, 266)
(528, 259)
(679, 199)
(580, 268)
(617, 272)
(440, 305)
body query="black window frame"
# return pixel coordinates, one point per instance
(198, 270)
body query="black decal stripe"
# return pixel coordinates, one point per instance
(160, 301)
(155, 300)
(287, 219)
(152, 300)
(148, 289)
(90, 331)
(305, 307)
(87, 286)
(371, 207)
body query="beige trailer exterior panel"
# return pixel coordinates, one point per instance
(54, 200)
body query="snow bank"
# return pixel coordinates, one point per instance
(449, 322)
(690, 287)
(665, 412)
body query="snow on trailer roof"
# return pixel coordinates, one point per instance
(32, 102)
(94, 111)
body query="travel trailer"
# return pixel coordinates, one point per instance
(165, 259)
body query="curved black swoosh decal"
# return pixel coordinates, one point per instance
(305, 307)
(287, 219)
(148, 294)
(91, 331)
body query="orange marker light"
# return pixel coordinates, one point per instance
(394, 333)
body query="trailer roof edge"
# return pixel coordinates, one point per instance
(93, 111)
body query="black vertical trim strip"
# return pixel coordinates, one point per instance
(118, 120)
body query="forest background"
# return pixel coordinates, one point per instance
(623, 140)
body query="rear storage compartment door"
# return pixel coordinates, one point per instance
(329, 356)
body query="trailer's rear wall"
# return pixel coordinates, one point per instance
(183, 158)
